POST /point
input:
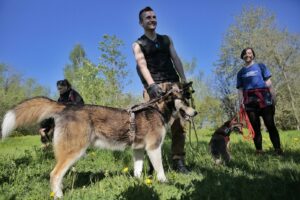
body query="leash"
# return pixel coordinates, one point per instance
(243, 117)
(190, 90)
(192, 126)
(144, 105)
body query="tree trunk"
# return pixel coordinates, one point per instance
(289, 91)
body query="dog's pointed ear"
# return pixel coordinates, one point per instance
(187, 85)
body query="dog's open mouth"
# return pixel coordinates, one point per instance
(184, 114)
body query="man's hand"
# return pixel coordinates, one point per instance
(154, 91)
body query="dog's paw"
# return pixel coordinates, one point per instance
(162, 179)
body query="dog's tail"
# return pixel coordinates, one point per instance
(29, 112)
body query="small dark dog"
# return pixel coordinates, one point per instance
(219, 143)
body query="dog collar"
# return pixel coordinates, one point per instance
(227, 131)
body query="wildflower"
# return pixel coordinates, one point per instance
(125, 170)
(148, 181)
(52, 195)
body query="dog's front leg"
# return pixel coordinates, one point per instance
(155, 158)
(138, 157)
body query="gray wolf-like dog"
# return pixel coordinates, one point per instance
(78, 127)
(219, 143)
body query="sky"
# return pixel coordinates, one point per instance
(37, 36)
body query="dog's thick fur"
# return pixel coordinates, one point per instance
(219, 143)
(78, 127)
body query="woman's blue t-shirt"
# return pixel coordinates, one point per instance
(253, 77)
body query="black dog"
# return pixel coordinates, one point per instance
(219, 143)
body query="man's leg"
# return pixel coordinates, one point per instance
(177, 148)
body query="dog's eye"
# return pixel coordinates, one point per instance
(187, 102)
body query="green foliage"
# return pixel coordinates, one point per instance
(14, 88)
(278, 49)
(24, 173)
(206, 104)
(102, 83)
(77, 58)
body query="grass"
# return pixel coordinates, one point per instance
(25, 168)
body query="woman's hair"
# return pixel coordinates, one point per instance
(144, 10)
(244, 52)
(64, 82)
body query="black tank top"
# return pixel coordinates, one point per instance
(158, 58)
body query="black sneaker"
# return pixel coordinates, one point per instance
(278, 152)
(259, 152)
(179, 166)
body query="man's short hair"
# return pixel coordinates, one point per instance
(144, 10)
(244, 52)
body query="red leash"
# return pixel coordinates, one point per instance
(244, 118)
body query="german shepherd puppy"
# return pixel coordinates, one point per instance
(219, 143)
(78, 127)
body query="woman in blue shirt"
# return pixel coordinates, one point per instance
(257, 96)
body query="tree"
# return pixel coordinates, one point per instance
(102, 83)
(278, 49)
(112, 68)
(207, 105)
(77, 58)
(13, 88)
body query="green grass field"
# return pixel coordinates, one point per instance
(25, 169)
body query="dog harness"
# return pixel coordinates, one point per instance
(132, 111)
(139, 107)
(132, 126)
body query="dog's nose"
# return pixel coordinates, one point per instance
(195, 113)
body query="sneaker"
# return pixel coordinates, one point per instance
(278, 152)
(259, 152)
(179, 166)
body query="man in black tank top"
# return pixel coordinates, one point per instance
(158, 65)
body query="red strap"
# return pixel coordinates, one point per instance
(244, 118)
(259, 94)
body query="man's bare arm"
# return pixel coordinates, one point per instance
(141, 63)
(177, 62)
